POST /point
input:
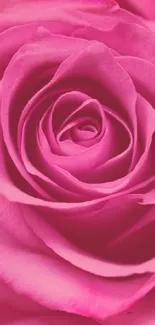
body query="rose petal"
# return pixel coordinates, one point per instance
(89, 296)
(141, 313)
(134, 36)
(19, 12)
(142, 73)
(145, 8)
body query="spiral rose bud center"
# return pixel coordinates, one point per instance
(85, 131)
(80, 123)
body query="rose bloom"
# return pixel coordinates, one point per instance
(77, 164)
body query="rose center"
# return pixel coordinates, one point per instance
(85, 131)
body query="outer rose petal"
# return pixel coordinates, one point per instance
(56, 283)
(75, 12)
(16, 12)
(134, 35)
(141, 313)
(84, 260)
(142, 8)
(146, 8)
(23, 311)
(23, 34)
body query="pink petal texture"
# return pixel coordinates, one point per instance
(76, 13)
(43, 277)
(145, 8)
(77, 162)
(141, 313)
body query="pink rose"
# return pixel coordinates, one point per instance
(77, 164)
